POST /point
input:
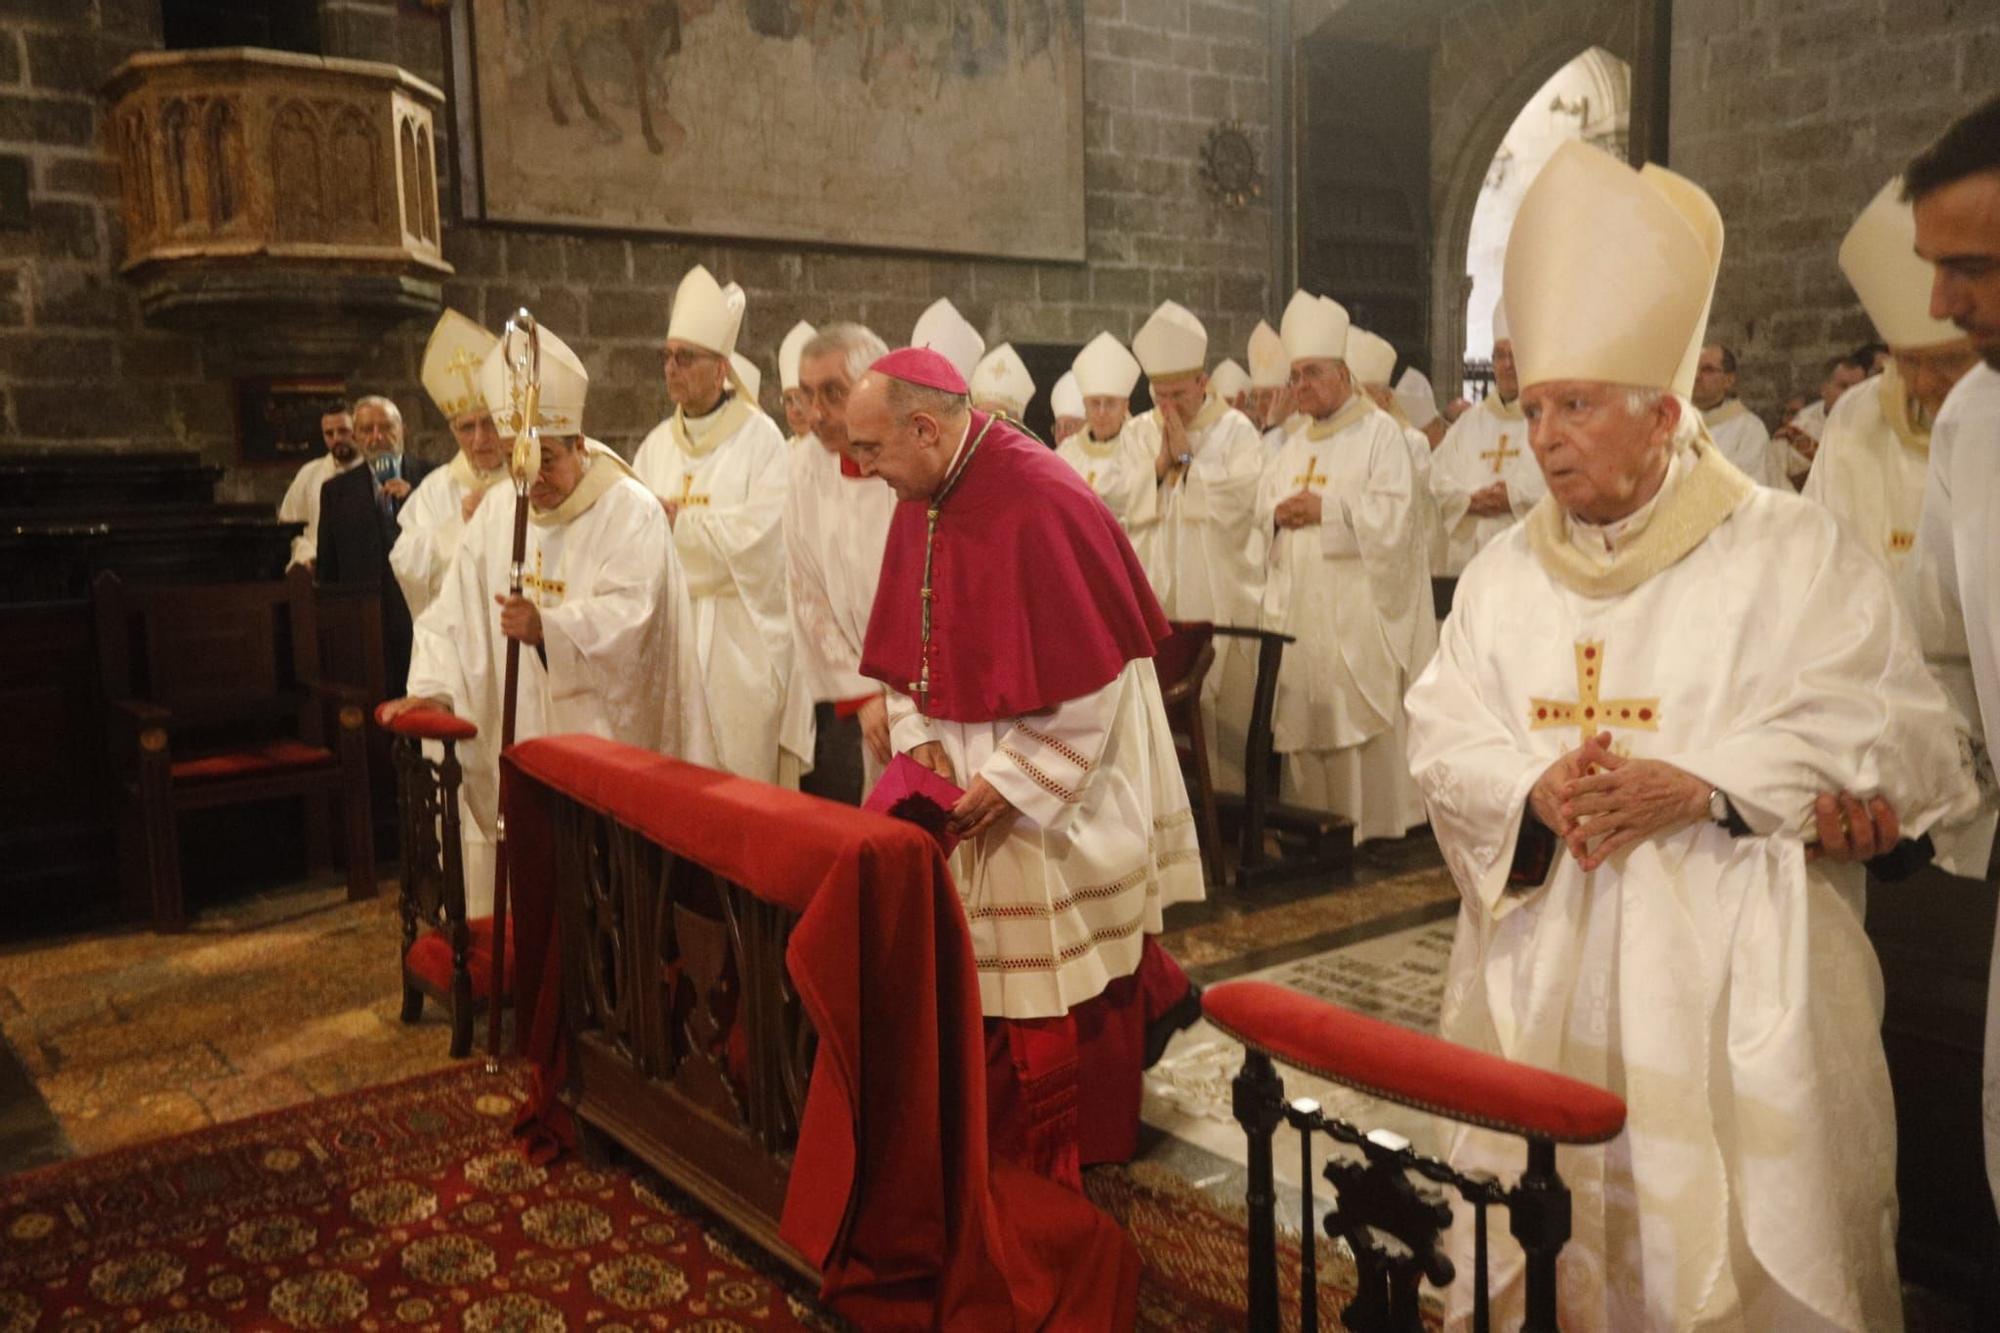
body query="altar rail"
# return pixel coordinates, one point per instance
(689, 1045)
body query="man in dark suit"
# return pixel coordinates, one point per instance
(357, 526)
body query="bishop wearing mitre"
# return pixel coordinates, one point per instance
(435, 516)
(1482, 475)
(1205, 555)
(1349, 579)
(603, 620)
(1114, 462)
(1641, 690)
(718, 466)
(1371, 359)
(797, 402)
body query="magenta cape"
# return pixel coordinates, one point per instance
(1038, 597)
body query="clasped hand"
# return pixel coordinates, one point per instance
(1303, 510)
(1600, 803)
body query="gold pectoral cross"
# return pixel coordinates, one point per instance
(547, 591)
(1589, 712)
(1500, 454)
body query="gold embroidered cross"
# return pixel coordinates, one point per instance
(1090, 479)
(687, 487)
(552, 588)
(1311, 478)
(1901, 541)
(1500, 454)
(1589, 713)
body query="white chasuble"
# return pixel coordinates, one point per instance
(728, 472)
(1059, 902)
(1205, 558)
(1120, 470)
(1354, 593)
(617, 657)
(1959, 538)
(1745, 442)
(430, 526)
(835, 529)
(1488, 443)
(1722, 986)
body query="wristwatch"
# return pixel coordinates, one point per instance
(1718, 806)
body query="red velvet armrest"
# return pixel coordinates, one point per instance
(1412, 1068)
(426, 724)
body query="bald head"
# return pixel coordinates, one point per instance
(904, 433)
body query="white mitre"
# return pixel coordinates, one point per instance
(1880, 260)
(1609, 273)
(451, 364)
(1066, 400)
(1002, 378)
(564, 384)
(946, 332)
(1270, 368)
(1104, 369)
(1228, 380)
(747, 376)
(1171, 344)
(1314, 327)
(706, 313)
(1500, 331)
(1418, 399)
(1370, 357)
(789, 352)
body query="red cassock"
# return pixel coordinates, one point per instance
(1036, 598)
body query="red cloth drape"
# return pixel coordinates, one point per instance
(893, 1191)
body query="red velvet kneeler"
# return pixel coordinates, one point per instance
(894, 1191)
(1063, 1093)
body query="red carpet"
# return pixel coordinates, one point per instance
(398, 1207)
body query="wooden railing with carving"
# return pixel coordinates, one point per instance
(689, 1046)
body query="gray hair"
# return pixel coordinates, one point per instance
(1686, 430)
(905, 398)
(388, 406)
(857, 342)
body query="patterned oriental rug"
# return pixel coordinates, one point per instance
(407, 1207)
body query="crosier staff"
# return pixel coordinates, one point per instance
(524, 392)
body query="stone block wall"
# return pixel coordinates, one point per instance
(1792, 113)
(78, 365)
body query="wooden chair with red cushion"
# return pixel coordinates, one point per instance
(1182, 661)
(445, 956)
(213, 698)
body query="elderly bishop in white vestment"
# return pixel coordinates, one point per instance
(435, 516)
(1114, 461)
(719, 467)
(1656, 698)
(1483, 476)
(1349, 579)
(1205, 555)
(615, 653)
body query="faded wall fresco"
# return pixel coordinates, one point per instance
(951, 125)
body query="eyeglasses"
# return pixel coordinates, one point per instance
(687, 358)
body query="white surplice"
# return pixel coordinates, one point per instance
(1745, 442)
(1722, 986)
(1060, 902)
(1205, 558)
(301, 504)
(729, 472)
(1488, 443)
(616, 635)
(835, 529)
(1120, 470)
(430, 526)
(1354, 593)
(1959, 537)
